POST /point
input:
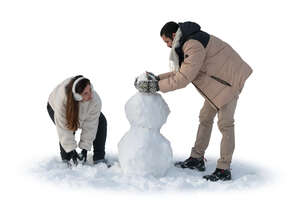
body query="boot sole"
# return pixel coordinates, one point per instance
(179, 165)
(215, 180)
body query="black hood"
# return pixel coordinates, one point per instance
(189, 31)
(189, 28)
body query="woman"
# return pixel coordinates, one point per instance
(74, 104)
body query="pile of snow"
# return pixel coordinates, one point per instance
(244, 177)
(143, 150)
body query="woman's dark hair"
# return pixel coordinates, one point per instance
(168, 29)
(72, 106)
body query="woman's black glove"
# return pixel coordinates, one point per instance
(74, 156)
(83, 155)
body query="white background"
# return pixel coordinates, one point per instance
(112, 42)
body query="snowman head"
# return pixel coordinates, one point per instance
(147, 110)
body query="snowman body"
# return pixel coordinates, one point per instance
(143, 150)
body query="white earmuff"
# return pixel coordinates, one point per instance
(77, 96)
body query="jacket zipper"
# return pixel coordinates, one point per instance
(205, 96)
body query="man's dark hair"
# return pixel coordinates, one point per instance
(168, 29)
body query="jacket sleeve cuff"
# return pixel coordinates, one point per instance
(84, 145)
(165, 75)
(68, 147)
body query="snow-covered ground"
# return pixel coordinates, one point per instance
(112, 42)
(245, 176)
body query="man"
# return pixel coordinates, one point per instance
(218, 73)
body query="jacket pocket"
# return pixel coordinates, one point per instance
(221, 81)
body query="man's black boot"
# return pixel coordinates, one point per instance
(219, 174)
(192, 163)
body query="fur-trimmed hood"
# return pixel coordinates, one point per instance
(185, 31)
(174, 59)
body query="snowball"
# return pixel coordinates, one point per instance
(143, 77)
(146, 77)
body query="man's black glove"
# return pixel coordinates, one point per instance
(135, 82)
(150, 86)
(83, 155)
(151, 76)
(74, 156)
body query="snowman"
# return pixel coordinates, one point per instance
(143, 150)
